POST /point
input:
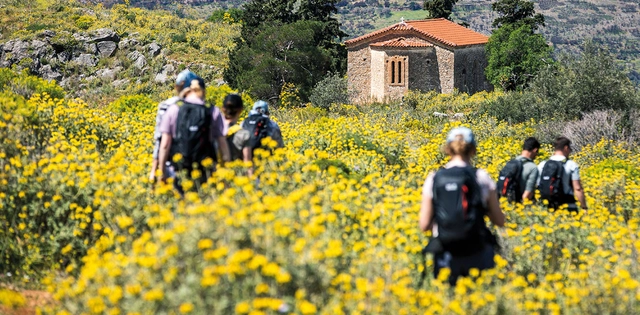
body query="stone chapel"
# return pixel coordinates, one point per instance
(424, 55)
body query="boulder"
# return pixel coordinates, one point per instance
(161, 78)
(154, 49)
(41, 49)
(90, 48)
(166, 74)
(107, 48)
(120, 83)
(49, 74)
(47, 34)
(139, 61)
(128, 43)
(104, 35)
(86, 60)
(108, 74)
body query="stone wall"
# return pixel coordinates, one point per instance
(469, 75)
(359, 74)
(422, 71)
(445, 59)
(378, 75)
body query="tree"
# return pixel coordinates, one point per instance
(282, 53)
(515, 54)
(263, 38)
(439, 8)
(517, 12)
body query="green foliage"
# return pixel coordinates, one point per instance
(439, 8)
(286, 41)
(515, 55)
(570, 89)
(133, 104)
(517, 13)
(592, 81)
(26, 85)
(215, 96)
(279, 54)
(331, 90)
(85, 22)
(226, 16)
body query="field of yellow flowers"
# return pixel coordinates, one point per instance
(328, 227)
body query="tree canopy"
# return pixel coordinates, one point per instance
(517, 12)
(439, 8)
(286, 41)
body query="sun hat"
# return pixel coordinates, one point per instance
(466, 133)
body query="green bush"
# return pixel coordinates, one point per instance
(133, 104)
(331, 90)
(26, 85)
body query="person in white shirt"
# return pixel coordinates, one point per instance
(571, 184)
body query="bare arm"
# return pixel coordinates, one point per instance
(527, 195)
(494, 212)
(154, 168)
(163, 155)
(247, 156)
(224, 148)
(579, 193)
(426, 213)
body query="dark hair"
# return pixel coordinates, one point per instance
(561, 142)
(232, 105)
(530, 144)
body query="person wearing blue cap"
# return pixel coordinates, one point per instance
(260, 126)
(455, 200)
(181, 83)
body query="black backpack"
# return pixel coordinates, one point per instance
(192, 140)
(259, 127)
(551, 184)
(509, 181)
(458, 210)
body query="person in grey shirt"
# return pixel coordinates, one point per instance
(529, 178)
(571, 179)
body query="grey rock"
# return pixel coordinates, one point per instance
(120, 83)
(128, 43)
(8, 46)
(106, 49)
(81, 37)
(49, 74)
(64, 56)
(104, 35)
(86, 60)
(19, 49)
(90, 48)
(154, 49)
(134, 55)
(161, 78)
(48, 33)
(168, 69)
(139, 61)
(41, 49)
(108, 74)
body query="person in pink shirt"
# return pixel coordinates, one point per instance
(193, 95)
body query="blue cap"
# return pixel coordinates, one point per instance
(186, 76)
(261, 107)
(466, 133)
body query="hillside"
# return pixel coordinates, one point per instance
(615, 24)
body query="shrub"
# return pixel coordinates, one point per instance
(594, 127)
(133, 104)
(331, 90)
(26, 85)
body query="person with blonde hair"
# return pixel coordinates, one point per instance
(455, 200)
(189, 131)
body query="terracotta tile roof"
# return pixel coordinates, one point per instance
(401, 42)
(439, 30)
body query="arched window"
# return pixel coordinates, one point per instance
(397, 70)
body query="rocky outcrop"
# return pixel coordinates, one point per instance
(57, 56)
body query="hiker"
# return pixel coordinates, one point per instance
(260, 126)
(517, 180)
(559, 179)
(190, 129)
(455, 200)
(184, 76)
(237, 137)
